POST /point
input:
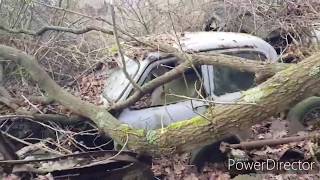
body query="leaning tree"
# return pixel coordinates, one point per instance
(282, 86)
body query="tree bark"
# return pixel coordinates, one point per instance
(271, 97)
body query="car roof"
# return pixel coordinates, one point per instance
(205, 41)
(200, 41)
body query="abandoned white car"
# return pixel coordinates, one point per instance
(185, 97)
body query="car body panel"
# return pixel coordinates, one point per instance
(162, 116)
(316, 36)
(117, 83)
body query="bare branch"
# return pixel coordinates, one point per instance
(7, 101)
(46, 149)
(55, 92)
(124, 67)
(58, 29)
(269, 142)
(7, 149)
(247, 65)
(57, 118)
(148, 87)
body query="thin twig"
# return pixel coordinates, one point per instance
(58, 29)
(34, 106)
(127, 156)
(46, 149)
(118, 153)
(269, 142)
(124, 68)
(6, 148)
(213, 102)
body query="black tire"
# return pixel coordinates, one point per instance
(211, 153)
(298, 114)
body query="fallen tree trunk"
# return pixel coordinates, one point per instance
(271, 97)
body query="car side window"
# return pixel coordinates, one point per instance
(252, 55)
(228, 80)
(187, 85)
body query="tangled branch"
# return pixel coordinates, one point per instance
(58, 29)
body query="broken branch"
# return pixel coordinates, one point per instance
(58, 29)
(124, 67)
(268, 142)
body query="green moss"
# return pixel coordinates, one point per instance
(128, 130)
(152, 137)
(315, 71)
(114, 49)
(256, 94)
(196, 121)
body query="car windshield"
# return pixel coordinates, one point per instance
(117, 83)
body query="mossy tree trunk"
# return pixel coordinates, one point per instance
(271, 97)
